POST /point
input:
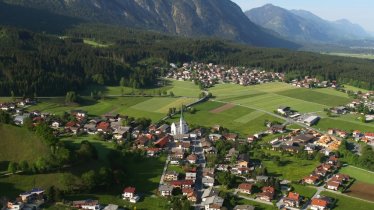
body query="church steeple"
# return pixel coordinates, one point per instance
(181, 122)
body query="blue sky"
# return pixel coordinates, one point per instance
(357, 11)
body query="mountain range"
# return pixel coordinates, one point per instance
(304, 26)
(207, 18)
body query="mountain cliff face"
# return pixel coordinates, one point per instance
(213, 18)
(304, 26)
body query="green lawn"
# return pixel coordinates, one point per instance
(321, 96)
(19, 144)
(179, 88)
(257, 205)
(355, 89)
(292, 168)
(95, 43)
(353, 55)
(347, 203)
(122, 105)
(305, 191)
(344, 124)
(238, 119)
(184, 88)
(358, 174)
(146, 203)
(176, 168)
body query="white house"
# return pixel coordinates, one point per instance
(128, 193)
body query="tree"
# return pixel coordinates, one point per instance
(12, 95)
(12, 167)
(171, 94)
(89, 180)
(68, 180)
(71, 97)
(51, 194)
(5, 117)
(24, 166)
(122, 82)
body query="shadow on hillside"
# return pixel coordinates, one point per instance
(4, 165)
(35, 19)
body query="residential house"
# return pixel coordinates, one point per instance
(152, 152)
(292, 200)
(231, 136)
(209, 192)
(191, 176)
(332, 185)
(165, 190)
(311, 179)
(87, 204)
(319, 203)
(245, 188)
(182, 184)
(103, 127)
(277, 129)
(128, 193)
(267, 194)
(213, 203)
(171, 176)
(208, 181)
(192, 159)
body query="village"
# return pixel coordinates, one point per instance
(193, 168)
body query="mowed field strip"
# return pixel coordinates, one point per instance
(162, 105)
(270, 96)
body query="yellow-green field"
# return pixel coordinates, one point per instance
(270, 96)
(353, 55)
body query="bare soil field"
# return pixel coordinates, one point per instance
(362, 190)
(222, 108)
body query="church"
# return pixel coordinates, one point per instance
(179, 128)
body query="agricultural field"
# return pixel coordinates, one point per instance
(151, 107)
(268, 97)
(355, 89)
(344, 124)
(358, 174)
(236, 118)
(348, 203)
(362, 190)
(179, 88)
(19, 144)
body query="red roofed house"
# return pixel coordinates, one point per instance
(192, 159)
(128, 193)
(151, 152)
(182, 184)
(162, 142)
(292, 200)
(319, 204)
(312, 179)
(369, 136)
(231, 136)
(267, 194)
(245, 188)
(103, 127)
(333, 185)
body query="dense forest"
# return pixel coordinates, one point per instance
(34, 63)
(134, 45)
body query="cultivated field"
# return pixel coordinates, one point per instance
(344, 124)
(358, 174)
(270, 96)
(347, 203)
(353, 55)
(362, 190)
(238, 119)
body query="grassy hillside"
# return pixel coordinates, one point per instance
(19, 144)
